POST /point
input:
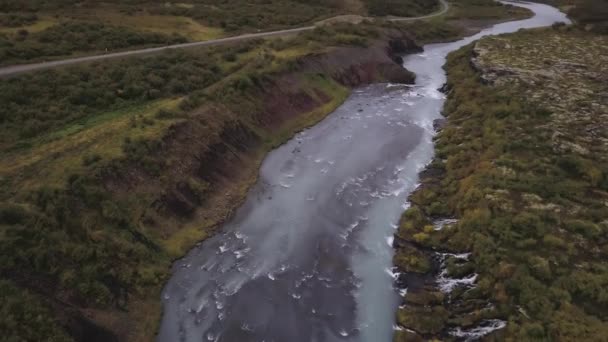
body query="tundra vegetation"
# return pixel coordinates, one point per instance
(110, 170)
(36, 30)
(522, 163)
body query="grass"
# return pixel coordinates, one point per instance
(40, 25)
(116, 26)
(293, 52)
(53, 157)
(165, 24)
(181, 241)
(353, 6)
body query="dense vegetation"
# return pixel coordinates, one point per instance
(34, 30)
(73, 37)
(44, 102)
(531, 211)
(239, 14)
(257, 13)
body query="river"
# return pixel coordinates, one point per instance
(308, 257)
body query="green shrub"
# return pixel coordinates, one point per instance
(585, 228)
(74, 36)
(90, 159)
(553, 241)
(533, 331)
(12, 214)
(17, 307)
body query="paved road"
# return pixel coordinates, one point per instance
(18, 69)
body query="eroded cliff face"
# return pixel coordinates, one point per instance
(355, 66)
(214, 144)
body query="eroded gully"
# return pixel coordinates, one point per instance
(308, 257)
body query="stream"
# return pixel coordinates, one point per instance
(308, 256)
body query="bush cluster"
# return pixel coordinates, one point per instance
(74, 37)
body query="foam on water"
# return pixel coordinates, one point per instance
(486, 327)
(440, 224)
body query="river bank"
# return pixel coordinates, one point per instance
(504, 230)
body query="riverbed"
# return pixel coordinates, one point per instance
(308, 257)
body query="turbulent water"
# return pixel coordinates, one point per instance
(308, 257)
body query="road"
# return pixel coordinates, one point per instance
(23, 68)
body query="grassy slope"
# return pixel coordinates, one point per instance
(67, 150)
(522, 164)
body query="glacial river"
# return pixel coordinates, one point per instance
(308, 257)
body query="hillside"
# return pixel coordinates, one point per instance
(42, 30)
